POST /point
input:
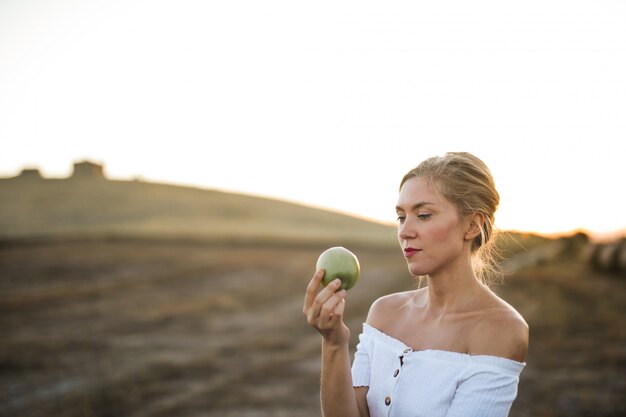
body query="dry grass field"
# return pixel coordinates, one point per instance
(147, 328)
(102, 315)
(166, 328)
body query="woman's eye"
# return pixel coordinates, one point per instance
(401, 219)
(423, 216)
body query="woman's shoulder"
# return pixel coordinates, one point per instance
(387, 308)
(501, 331)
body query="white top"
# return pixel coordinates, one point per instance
(431, 383)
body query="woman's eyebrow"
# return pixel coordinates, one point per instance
(416, 205)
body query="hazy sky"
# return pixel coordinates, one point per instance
(326, 102)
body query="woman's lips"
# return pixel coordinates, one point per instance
(410, 251)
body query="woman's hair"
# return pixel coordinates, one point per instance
(464, 180)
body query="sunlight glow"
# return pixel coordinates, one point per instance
(326, 103)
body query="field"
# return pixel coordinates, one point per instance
(148, 327)
(148, 300)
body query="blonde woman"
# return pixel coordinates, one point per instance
(452, 348)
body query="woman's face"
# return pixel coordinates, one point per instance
(430, 230)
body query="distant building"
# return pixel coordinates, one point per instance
(88, 170)
(30, 173)
(82, 170)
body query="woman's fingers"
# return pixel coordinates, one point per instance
(338, 313)
(333, 308)
(324, 304)
(324, 309)
(324, 295)
(311, 290)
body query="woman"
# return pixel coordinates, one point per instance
(452, 348)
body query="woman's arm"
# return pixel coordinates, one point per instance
(324, 311)
(489, 391)
(486, 391)
(338, 397)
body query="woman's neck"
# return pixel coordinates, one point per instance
(453, 290)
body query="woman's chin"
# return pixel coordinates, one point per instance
(418, 271)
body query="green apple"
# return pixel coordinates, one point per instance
(339, 262)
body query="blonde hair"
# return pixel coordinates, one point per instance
(465, 180)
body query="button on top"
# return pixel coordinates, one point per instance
(407, 350)
(396, 372)
(387, 400)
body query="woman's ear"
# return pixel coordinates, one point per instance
(475, 225)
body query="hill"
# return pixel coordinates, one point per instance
(96, 208)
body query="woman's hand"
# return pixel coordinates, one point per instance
(324, 310)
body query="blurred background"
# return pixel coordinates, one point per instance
(170, 172)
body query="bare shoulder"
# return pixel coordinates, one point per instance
(501, 331)
(386, 309)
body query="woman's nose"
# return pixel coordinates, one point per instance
(406, 229)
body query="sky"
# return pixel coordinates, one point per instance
(326, 103)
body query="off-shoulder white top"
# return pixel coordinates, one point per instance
(431, 383)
